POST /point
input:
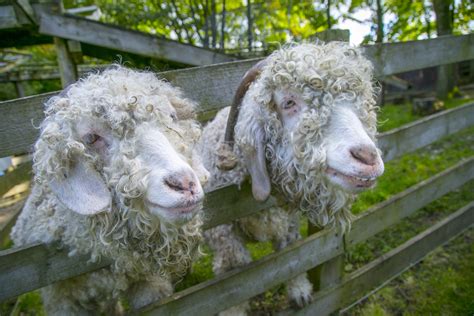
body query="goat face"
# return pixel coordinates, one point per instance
(105, 143)
(352, 161)
(309, 117)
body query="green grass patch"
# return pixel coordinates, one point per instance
(392, 116)
(442, 284)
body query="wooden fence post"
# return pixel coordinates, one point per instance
(328, 273)
(67, 66)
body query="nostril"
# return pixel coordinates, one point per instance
(182, 184)
(365, 154)
(175, 184)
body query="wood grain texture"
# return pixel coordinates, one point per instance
(26, 270)
(216, 206)
(388, 266)
(114, 37)
(211, 86)
(238, 285)
(425, 131)
(407, 202)
(393, 58)
(229, 203)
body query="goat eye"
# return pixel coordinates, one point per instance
(91, 139)
(289, 104)
(173, 116)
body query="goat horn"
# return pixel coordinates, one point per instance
(226, 157)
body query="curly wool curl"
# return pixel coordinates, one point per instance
(139, 243)
(325, 75)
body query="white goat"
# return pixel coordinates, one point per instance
(113, 179)
(306, 128)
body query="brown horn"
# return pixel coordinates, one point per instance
(226, 157)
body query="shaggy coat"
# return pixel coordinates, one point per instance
(106, 214)
(322, 79)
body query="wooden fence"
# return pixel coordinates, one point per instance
(28, 268)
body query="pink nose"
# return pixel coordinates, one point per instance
(365, 154)
(182, 184)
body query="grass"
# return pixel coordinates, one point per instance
(392, 116)
(442, 284)
(436, 284)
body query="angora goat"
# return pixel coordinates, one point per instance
(113, 178)
(306, 130)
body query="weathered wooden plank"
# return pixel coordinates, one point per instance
(21, 174)
(37, 266)
(211, 86)
(393, 58)
(230, 202)
(387, 213)
(8, 17)
(86, 31)
(17, 124)
(219, 205)
(43, 73)
(219, 210)
(425, 131)
(391, 264)
(27, 9)
(238, 285)
(67, 67)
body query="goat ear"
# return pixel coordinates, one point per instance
(257, 168)
(250, 134)
(82, 190)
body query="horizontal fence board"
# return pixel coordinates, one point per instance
(213, 86)
(393, 58)
(220, 205)
(37, 266)
(115, 37)
(43, 73)
(425, 131)
(8, 18)
(216, 206)
(231, 203)
(390, 265)
(390, 212)
(17, 121)
(238, 285)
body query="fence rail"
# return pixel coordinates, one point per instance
(213, 86)
(388, 266)
(41, 273)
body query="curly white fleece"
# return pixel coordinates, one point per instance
(141, 246)
(325, 75)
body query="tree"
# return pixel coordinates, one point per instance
(444, 11)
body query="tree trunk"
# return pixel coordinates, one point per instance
(223, 27)
(328, 14)
(206, 24)
(380, 32)
(426, 13)
(249, 23)
(213, 23)
(444, 26)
